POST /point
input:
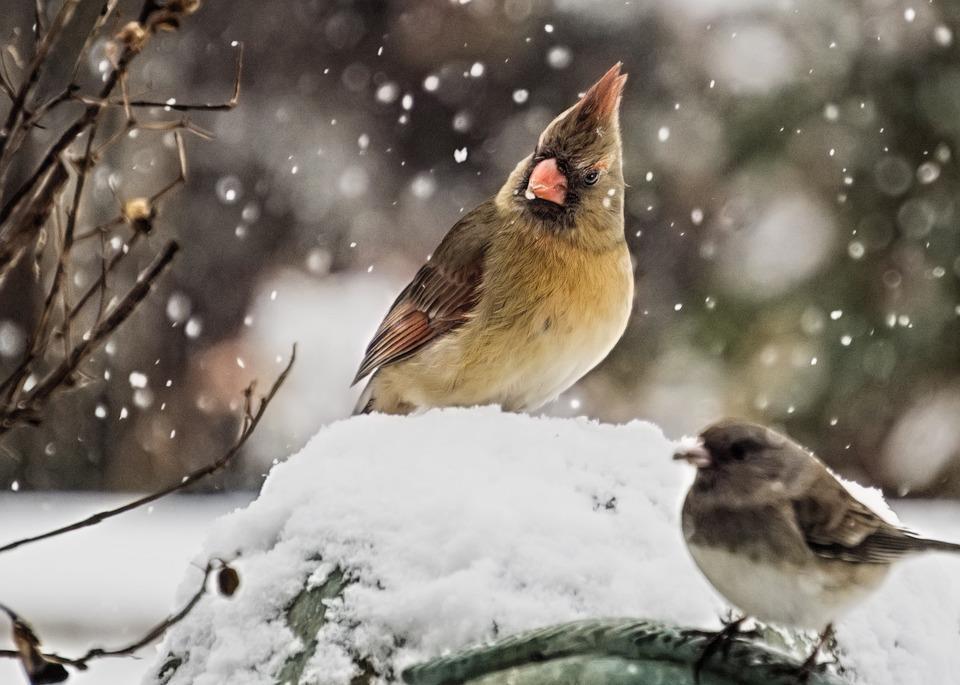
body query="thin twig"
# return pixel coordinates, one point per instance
(108, 266)
(39, 670)
(127, 103)
(39, 337)
(105, 11)
(6, 85)
(64, 15)
(30, 216)
(65, 95)
(99, 230)
(102, 300)
(81, 662)
(27, 406)
(39, 19)
(206, 107)
(248, 426)
(104, 272)
(90, 112)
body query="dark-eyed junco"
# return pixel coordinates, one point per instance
(778, 535)
(529, 290)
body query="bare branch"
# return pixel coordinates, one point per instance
(141, 223)
(49, 159)
(6, 85)
(66, 95)
(105, 11)
(64, 15)
(39, 20)
(24, 411)
(29, 216)
(39, 337)
(86, 118)
(38, 668)
(206, 107)
(151, 635)
(35, 348)
(248, 426)
(104, 272)
(52, 660)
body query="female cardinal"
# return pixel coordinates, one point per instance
(528, 291)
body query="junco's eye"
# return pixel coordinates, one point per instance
(741, 448)
(591, 177)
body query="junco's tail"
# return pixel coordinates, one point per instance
(927, 545)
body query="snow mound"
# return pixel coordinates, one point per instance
(462, 525)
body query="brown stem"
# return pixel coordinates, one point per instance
(81, 662)
(40, 335)
(64, 15)
(30, 216)
(249, 425)
(206, 107)
(105, 11)
(26, 408)
(102, 279)
(86, 118)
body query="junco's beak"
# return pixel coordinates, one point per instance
(547, 182)
(695, 454)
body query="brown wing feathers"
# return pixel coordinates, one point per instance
(440, 297)
(836, 525)
(436, 301)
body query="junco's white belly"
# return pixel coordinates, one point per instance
(808, 596)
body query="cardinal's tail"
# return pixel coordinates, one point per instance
(366, 403)
(382, 398)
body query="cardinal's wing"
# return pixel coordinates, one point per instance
(440, 297)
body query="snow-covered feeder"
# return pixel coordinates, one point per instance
(388, 542)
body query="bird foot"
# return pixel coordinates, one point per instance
(720, 641)
(812, 663)
(801, 674)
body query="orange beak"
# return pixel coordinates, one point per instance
(547, 183)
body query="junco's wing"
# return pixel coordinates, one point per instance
(836, 525)
(440, 297)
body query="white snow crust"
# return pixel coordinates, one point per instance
(461, 525)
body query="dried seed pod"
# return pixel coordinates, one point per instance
(166, 21)
(183, 7)
(133, 36)
(168, 18)
(139, 212)
(39, 670)
(228, 580)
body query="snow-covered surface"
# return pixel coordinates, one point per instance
(102, 586)
(462, 522)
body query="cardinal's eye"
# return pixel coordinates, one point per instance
(591, 177)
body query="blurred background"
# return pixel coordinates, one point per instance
(791, 212)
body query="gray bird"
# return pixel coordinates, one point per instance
(779, 536)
